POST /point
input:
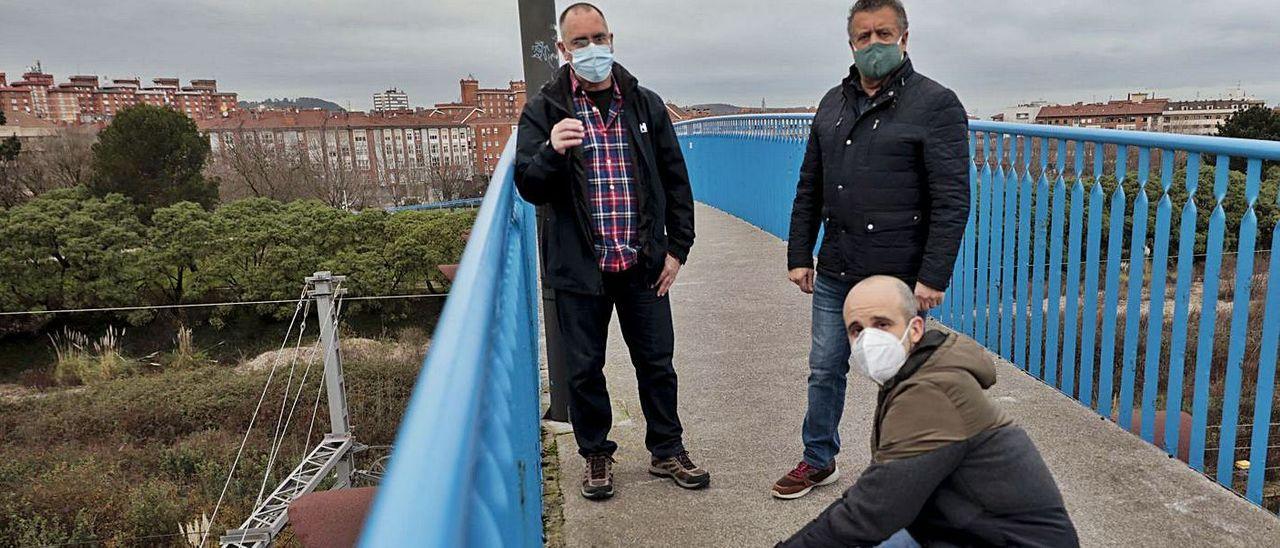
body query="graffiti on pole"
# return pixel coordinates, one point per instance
(546, 53)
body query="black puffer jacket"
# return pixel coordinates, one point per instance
(558, 184)
(890, 184)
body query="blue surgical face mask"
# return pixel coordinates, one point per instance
(593, 62)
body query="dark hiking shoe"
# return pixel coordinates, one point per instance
(679, 468)
(597, 477)
(798, 482)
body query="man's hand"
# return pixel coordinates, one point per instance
(928, 297)
(668, 276)
(566, 133)
(802, 277)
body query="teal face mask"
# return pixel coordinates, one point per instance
(878, 60)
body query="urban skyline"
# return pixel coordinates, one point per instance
(993, 54)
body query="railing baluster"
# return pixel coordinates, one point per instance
(1137, 271)
(1208, 316)
(1093, 252)
(1239, 327)
(1054, 306)
(1182, 302)
(1263, 401)
(1042, 207)
(1155, 309)
(1025, 215)
(1010, 188)
(996, 255)
(984, 244)
(1115, 250)
(1072, 328)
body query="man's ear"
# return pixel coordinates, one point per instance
(564, 52)
(917, 329)
(905, 35)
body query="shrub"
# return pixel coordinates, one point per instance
(82, 361)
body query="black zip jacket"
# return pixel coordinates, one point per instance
(890, 184)
(557, 183)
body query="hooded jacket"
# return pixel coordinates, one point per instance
(557, 183)
(947, 464)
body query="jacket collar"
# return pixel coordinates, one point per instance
(852, 84)
(923, 350)
(559, 89)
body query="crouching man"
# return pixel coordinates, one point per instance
(948, 466)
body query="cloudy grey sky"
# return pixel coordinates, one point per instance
(992, 52)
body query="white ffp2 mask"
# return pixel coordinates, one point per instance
(878, 355)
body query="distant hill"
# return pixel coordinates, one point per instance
(717, 109)
(301, 103)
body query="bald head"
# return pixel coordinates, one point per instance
(581, 18)
(885, 303)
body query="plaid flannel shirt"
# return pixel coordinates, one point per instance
(611, 191)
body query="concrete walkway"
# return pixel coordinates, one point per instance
(742, 334)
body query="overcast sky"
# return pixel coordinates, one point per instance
(993, 53)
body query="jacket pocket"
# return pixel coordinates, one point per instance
(890, 243)
(888, 222)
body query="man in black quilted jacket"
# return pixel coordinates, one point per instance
(886, 176)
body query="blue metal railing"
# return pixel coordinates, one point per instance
(466, 468)
(1035, 282)
(447, 204)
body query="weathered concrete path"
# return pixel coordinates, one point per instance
(741, 344)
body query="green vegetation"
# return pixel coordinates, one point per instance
(1252, 123)
(124, 462)
(10, 147)
(154, 156)
(68, 249)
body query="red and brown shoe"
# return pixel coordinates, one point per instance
(798, 482)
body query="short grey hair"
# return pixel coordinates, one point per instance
(877, 5)
(907, 303)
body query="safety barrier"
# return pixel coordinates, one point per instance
(466, 470)
(1055, 275)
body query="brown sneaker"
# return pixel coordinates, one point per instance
(597, 477)
(798, 482)
(679, 468)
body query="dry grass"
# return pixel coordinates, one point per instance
(81, 360)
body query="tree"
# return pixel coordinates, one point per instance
(68, 249)
(181, 236)
(11, 146)
(154, 156)
(1252, 123)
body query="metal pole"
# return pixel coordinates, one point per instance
(323, 291)
(538, 46)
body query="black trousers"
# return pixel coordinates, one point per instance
(645, 319)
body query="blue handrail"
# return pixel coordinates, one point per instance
(466, 470)
(1066, 267)
(447, 204)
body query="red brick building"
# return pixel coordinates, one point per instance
(497, 113)
(1138, 112)
(403, 152)
(83, 100)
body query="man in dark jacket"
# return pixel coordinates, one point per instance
(598, 154)
(947, 464)
(886, 173)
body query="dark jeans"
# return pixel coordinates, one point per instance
(645, 319)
